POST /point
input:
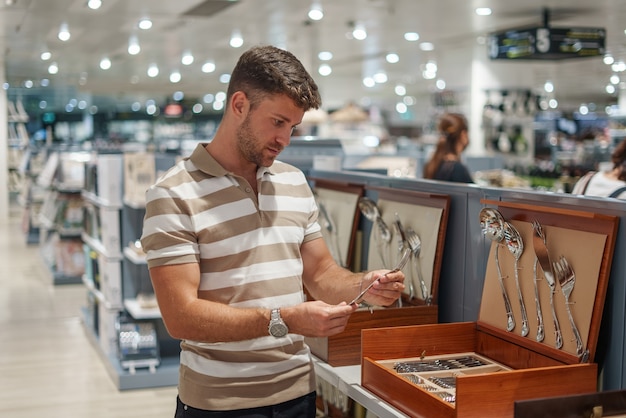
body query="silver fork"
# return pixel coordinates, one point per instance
(399, 266)
(567, 278)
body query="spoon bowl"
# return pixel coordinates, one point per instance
(492, 224)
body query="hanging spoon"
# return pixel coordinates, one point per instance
(370, 210)
(515, 245)
(492, 224)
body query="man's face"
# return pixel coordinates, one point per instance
(267, 130)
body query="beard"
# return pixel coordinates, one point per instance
(250, 145)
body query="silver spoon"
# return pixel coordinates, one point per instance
(492, 224)
(416, 246)
(370, 210)
(515, 245)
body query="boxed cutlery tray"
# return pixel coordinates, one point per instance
(516, 358)
(424, 213)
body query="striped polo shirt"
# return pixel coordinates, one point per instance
(248, 249)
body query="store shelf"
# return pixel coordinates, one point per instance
(137, 312)
(134, 257)
(99, 248)
(166, 374)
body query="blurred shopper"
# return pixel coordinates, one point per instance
(607, 183)
(445, 164)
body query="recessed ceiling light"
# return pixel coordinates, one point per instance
(105, 63)
(325, 55)
(392, 58)
(427, 46)
(145, 23)
(483, 11)
(94, 4)
(316, 12)
(411, 36)
(64, 32)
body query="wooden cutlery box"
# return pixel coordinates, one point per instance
(427, 214)
(515, 367)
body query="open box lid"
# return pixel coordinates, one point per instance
(587, 241)
(426, 214)
(339, 217)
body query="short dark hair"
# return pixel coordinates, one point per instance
(268, 70)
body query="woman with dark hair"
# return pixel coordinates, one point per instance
(608, 183)
(445, 164)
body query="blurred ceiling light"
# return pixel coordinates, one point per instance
(369, 82)
(400, 90)
(427, 46)
(359, 32)
(614, 79)
(411, 36)
(483, 11)
(105, 63)
(441, 84)
(53, 68)
(225, 78)
(187, 58)
(236, 40)
(94, 4)
(608, 59)
(325, 69)
(316, 12)
(64, 32)
(153, 70)
(610, 89)
(548, 87)
(133, 45)
(208, 67)
(380, 77)
(325, 55)
(145, 23)
(175, 77)
(46, 55)
(392, 58)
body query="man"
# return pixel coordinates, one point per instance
(231, 237)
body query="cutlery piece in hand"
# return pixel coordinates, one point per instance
(567, 278)
(492, 224)
(541, 251)
(401, 264)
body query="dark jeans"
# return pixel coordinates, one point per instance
(303, 407)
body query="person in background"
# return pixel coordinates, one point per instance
(232, 238)
(608, 183)
(445, 164)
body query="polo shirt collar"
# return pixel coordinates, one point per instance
(205, 162)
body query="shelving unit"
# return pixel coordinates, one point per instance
(18, 142)
(116, 275)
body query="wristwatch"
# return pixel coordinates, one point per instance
(277, 327)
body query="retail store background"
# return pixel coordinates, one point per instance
(203, 28)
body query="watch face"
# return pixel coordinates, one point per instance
(278, 329)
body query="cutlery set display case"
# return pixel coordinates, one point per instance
(417, 368)
(424, 213)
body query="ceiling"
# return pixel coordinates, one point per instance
(204, 28)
